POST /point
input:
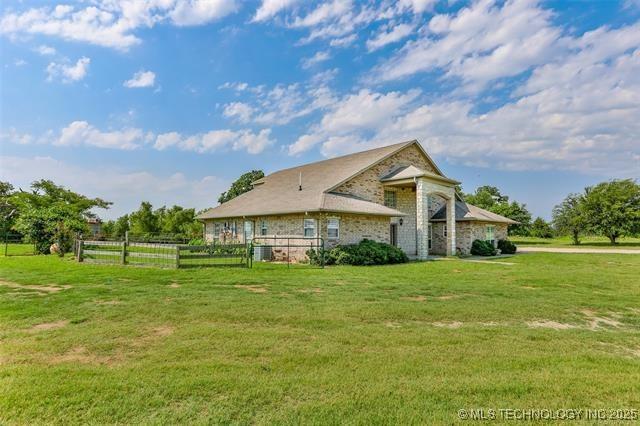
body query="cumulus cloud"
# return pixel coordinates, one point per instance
(480, 43)
(80, 133)
(397, 33)
(281, 104)
(68, 73)
(215, 140)
(578, 112)
(141, 79)
(112, 23)
(364, 111)
(45, 50)
(316, 59)
(125, 188)
(270, 8)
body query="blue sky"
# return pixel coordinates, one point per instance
(170, 100)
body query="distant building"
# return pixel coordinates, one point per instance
(95, 226)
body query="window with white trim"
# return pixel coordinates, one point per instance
(234, 229)
(263, 227)
(490, 236)
(217, 227)
(309, 227)
(333, 228)
(390, 199)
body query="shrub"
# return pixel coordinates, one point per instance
(482, 248)
(366, 252)
(507, 247)
(197, 242)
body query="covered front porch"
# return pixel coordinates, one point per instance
(419, 194)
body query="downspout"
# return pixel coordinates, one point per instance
(415, 181)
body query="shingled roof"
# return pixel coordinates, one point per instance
(278, 193)
(468, 212)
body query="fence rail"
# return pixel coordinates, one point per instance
(163, 255)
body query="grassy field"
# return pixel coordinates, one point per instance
(587, 242)
(16, 249)
(410, 343)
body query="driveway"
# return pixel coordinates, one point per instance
(576, 250)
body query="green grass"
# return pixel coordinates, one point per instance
(588, 242)
(366, 345)
(16, 249)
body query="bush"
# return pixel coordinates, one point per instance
(507, 247)
(197, 242)
(483, 248)
(366, 252)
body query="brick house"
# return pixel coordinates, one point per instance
(394, 194)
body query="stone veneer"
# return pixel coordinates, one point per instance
(469, 231)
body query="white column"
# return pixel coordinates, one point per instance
(422, 219)
(451, 226)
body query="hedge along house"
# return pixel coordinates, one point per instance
(394, 194)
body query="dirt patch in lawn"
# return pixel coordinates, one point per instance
(163, 331)
(252, 288)
(550, 324)
(41, 290)
(595, 322)
(311, 290)
(108, 302)
(452, 324)
(174, 285)
(82, 355)
(415, 298)
(49, 325)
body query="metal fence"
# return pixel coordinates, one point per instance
(163, 254)
(15, 245)
(290, 249)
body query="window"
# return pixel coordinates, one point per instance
(429, 232)
(263, 227)
(390, 199)
(234, 229)
(216, 229)
(490, 234)
(333, 228)
(444, 230)
(309, 227)
(248, 230)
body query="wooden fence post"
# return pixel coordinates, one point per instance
(123, 260)
(80, 249)
(177, 256)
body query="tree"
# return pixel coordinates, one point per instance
(569, 218)
(541, 228)
(243, 184)
(144, 220)
(120, 227)
(181, 221)
(52, 213)
(489, 198)
(108, 228)
(612, 208)
(8, 210)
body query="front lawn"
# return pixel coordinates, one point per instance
(411, 343)
(587, 242)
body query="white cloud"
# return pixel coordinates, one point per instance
(481, 43)
(316, 59)
(80, 133)
(238, 110)
(364, 110)
(270, 8)
(112, 23)
(397, 33)
(20, 63)
(579, 112)
(198, 12)
(125, 188)
(325, 11)
(13, 136)
(215, 140)
(281, 104)
(68, 73)
(45, 50)
(141, 79)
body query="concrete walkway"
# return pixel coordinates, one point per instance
(576, 250)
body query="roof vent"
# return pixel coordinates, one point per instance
(300, 182)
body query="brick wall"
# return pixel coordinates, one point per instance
(468, 231)
(367, 184)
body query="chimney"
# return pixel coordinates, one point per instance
(300, 182)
